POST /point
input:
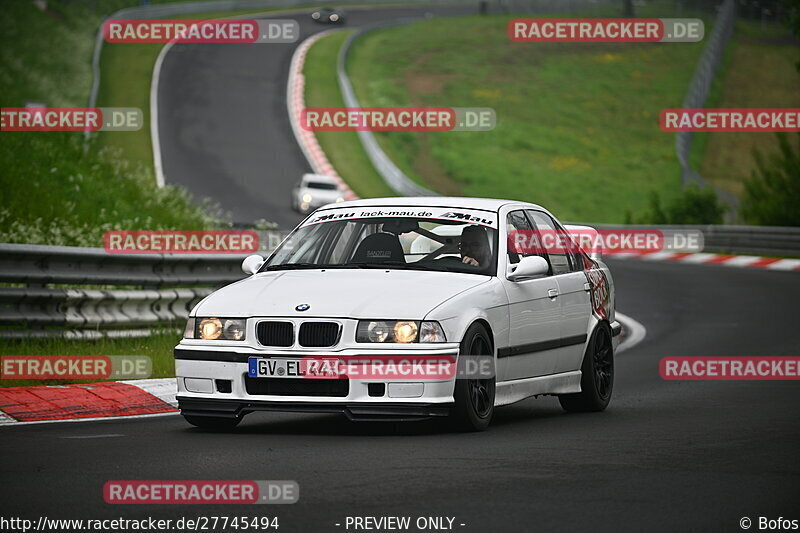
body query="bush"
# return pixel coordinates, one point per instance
(693, 206)
(772, 195)
(58, 191)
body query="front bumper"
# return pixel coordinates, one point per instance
(366, 412)
(216, 383)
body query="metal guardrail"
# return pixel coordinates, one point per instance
(80, 308)
(170, 285)
(745, 240)
(700, 86)
(38, 265)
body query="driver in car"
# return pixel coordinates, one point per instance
(474, 246)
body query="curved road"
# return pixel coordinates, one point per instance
(223, 123)
(665, 456)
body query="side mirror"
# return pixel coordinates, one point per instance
(532, 266)
(252, 263)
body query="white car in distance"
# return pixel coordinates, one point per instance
(314, 191)
(362, 288)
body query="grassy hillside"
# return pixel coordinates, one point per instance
(760, 73)
(577, 124)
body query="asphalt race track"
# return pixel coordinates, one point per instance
(223, 122)
(665, 456)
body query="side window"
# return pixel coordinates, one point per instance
(559, 250)
(519, 231)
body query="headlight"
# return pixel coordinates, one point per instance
(233, 330)
(402, 331)
(307, 198)
(340, 199)
(229, 329)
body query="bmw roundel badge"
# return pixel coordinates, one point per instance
(302, 307)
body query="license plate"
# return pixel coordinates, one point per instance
(291, 368)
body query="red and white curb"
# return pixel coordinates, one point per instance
(91, 401)
(742, 261)
(295, 102)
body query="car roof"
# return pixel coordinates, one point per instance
(487, 204)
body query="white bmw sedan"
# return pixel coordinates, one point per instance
(405, 309)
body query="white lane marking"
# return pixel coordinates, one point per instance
(154, 135)
(165, 389)
(636, 332)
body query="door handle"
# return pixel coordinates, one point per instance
(587, 287)
(552, 293)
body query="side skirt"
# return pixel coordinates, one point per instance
(508, 392)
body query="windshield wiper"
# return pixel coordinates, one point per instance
(298, 266)
(390, 264)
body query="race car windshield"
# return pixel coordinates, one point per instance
(390, 243)
(320, 185)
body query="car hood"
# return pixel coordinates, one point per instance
(356, 293)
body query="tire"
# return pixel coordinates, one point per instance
(597, 375)
(213, 423)
(474, 398)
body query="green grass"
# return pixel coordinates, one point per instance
(577, 124)
(343, 148)
(126, 73)
(158, 347)
(761, 73)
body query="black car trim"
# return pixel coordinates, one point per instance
(371, 412)
(211, 355)
(525, 349)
